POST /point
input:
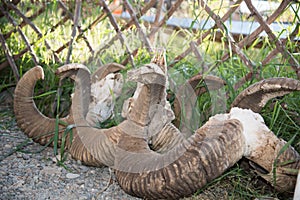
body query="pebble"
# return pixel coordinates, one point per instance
(72, 176)
(26, 156)
(56, 159)
(8, 146)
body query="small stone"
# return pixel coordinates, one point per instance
(19, 155)
(72, 176)
(83, 168)
(83, 197)
(79, 162)
(55, 159)
(50, 171)
(8, 146)
(26, 156)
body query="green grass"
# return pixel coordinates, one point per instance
(281, 114)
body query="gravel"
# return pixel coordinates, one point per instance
(37, 175)
(34, 172)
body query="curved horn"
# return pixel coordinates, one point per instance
(31, 121)
(188, 166)
(29, 118)
(180, 170)
(216, 146)
(170, 136)
(90, 145)
(104, 70)
(97, 146)
(183, 170)
(257, 95)
(167, 139)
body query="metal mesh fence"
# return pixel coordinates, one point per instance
(226, 25)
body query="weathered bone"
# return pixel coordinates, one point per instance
(168, 173)
(182, 170)
(97, 146)
(164, 136)
(263, 148)
(204, 156)
(103, 96)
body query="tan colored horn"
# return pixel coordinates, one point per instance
(268, 152)
(257, 95)
(90, 145)
(30, 119)
(104, 70)
(216, 146)
(192, 163)
(182, 170)
(36, 125)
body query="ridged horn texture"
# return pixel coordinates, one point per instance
(190, 164)
(36, 125)
(168, 138)
(178, 171)
(31, 121)
(268, 146)
(97, 146)
(90, 145)
(147, 96)
(285, 164)
(182, 170)
(257, 95)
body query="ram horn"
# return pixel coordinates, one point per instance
(90, 145)
(170, 136)
(257, 95)
(216, 146)
(34, 124)
(188, 166)
(97, 146)
(165, 137)
(106, 69)
(181, 170)
(30, 119)
(271, 156)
